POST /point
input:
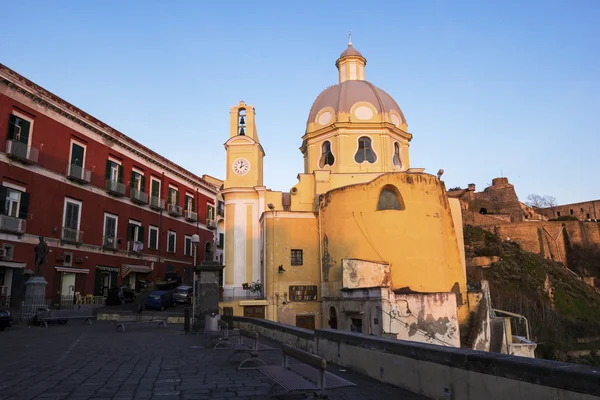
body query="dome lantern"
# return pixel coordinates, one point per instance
(351, 64)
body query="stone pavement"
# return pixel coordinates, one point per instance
(79, 362)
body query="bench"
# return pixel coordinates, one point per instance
(63, 316)
(137, 321)
(308, 376)
(243, 348)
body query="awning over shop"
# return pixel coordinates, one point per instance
(8, 264)
(72, 270)
(107, 269)
(128, 268)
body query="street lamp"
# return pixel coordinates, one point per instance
(195, 241)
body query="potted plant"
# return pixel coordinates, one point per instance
(245, 286)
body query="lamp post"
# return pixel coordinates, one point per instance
(195, 241)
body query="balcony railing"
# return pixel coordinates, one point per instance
(12, 224)
(109, 242)
(238, 293)
(157, 203)
(139, 197)
(115, 187)
(22, 152)
(174, 210)
(70, 235)
(211, 224)
(78, 173)
(191, 216)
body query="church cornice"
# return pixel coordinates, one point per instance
(348, 127)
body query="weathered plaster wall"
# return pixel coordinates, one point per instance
(364, 274)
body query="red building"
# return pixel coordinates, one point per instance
(112, 211)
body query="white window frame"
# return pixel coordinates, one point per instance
(138, 223)
(153, 179)
(18, 206)
(208, 207)
(78, 143)
(176, 191)
(150, 229)
(174, 241)
(28, 119)
(185, 253)
(73, 201)
(13, 186)
(116, 217)
(189, 196)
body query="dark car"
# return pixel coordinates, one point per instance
(159, 300)
(119, 295)
(5, 319)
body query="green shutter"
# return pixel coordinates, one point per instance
(11, 127)
(131, 182)
(177, 197)
(24, 206)
(131, 232)
(143, 183)
(193, 204)
(108, 164)
(140, 237)
(120, 170)
(25, 126)
(3, 193)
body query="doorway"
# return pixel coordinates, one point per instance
(305, 321)
(332, 318)
(67, 286)
(254, 311)
(356, 325)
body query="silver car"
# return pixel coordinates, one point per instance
(183, 294)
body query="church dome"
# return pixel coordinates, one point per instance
(354, 94)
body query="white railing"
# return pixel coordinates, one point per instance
(191, 216)
(174, 210)
(115, 187)
(22, 151)
(211, 224)
(239, 293)
(157, 202)
(12, 224)
(79, 173)
(139, 196)
(71, 235)
(109, 242)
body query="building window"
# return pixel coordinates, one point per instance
(327, 157)
(114, 171)
(303, 293)
(396, 158)
(221, 208)
(296, 257)
(173, 196)
(72, 220)
(558, 213)
(190, 203)
(110, 231)
(77, 157)
(153, 237)
(171, 241)
(19, 128)
(588, 216)
(9, 251)
(365, 151)
(389, 199)
(138, 181)
(210, 212)
(15, 202)
(582, 209)
(221, 241)
(135, 236)
(155, 188)
(188, 245)
(571, 211)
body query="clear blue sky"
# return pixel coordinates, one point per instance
(486, 86)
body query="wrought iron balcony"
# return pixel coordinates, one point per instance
(70, 235)
(239, 293)
(114, 187)
(12, 224)
(109, 242)
(157, 203)
(78, 173)
(22, 152)
(174, 210)
(139, 197)
(191, 216)
(211, 224)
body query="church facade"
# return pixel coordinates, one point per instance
(362, 241)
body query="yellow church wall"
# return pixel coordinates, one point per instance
(229, 243)
(253, 177)
(419, 242)
(284, 231)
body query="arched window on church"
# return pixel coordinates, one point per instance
(242, 121)
(396, 158)
(327, 157)
(390, 199)
(365, 151)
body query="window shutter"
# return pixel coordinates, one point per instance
(11, 127)
(108, 164)
(177, 197)
(25, 126)
(120, 170)
(132, 180)
(130, 232)
(193, 204)
(24, 206)
(140, 237)
(2, 199)
(143, 183)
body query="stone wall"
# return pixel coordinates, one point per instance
(439, 372)
(583, 211)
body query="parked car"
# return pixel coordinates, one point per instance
(119, 295)
(183, 294)
(5, 319)
(159, 300)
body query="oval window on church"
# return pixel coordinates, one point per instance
(365, 151)
(327, 157)
(390, 199)
(396, 157)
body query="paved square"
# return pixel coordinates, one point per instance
(78, 362)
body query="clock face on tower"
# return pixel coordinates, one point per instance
(241, 166)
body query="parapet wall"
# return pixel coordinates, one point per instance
(439, 372)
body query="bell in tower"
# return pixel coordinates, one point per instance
(242, 122)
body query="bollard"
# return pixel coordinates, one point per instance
(186, 319)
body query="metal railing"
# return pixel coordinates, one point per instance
(211, 224)
(12, 224)
(22, 151)
(25, 307)
(138, 196)
(71, 235)
(79, 173)
(157, 203)
(174, 210)
(239, 293)
(109, 242)
(115, 187)
(191, 215)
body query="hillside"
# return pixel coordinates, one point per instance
(560, 308)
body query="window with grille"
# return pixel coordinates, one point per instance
(365, 151)
(296, 257)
